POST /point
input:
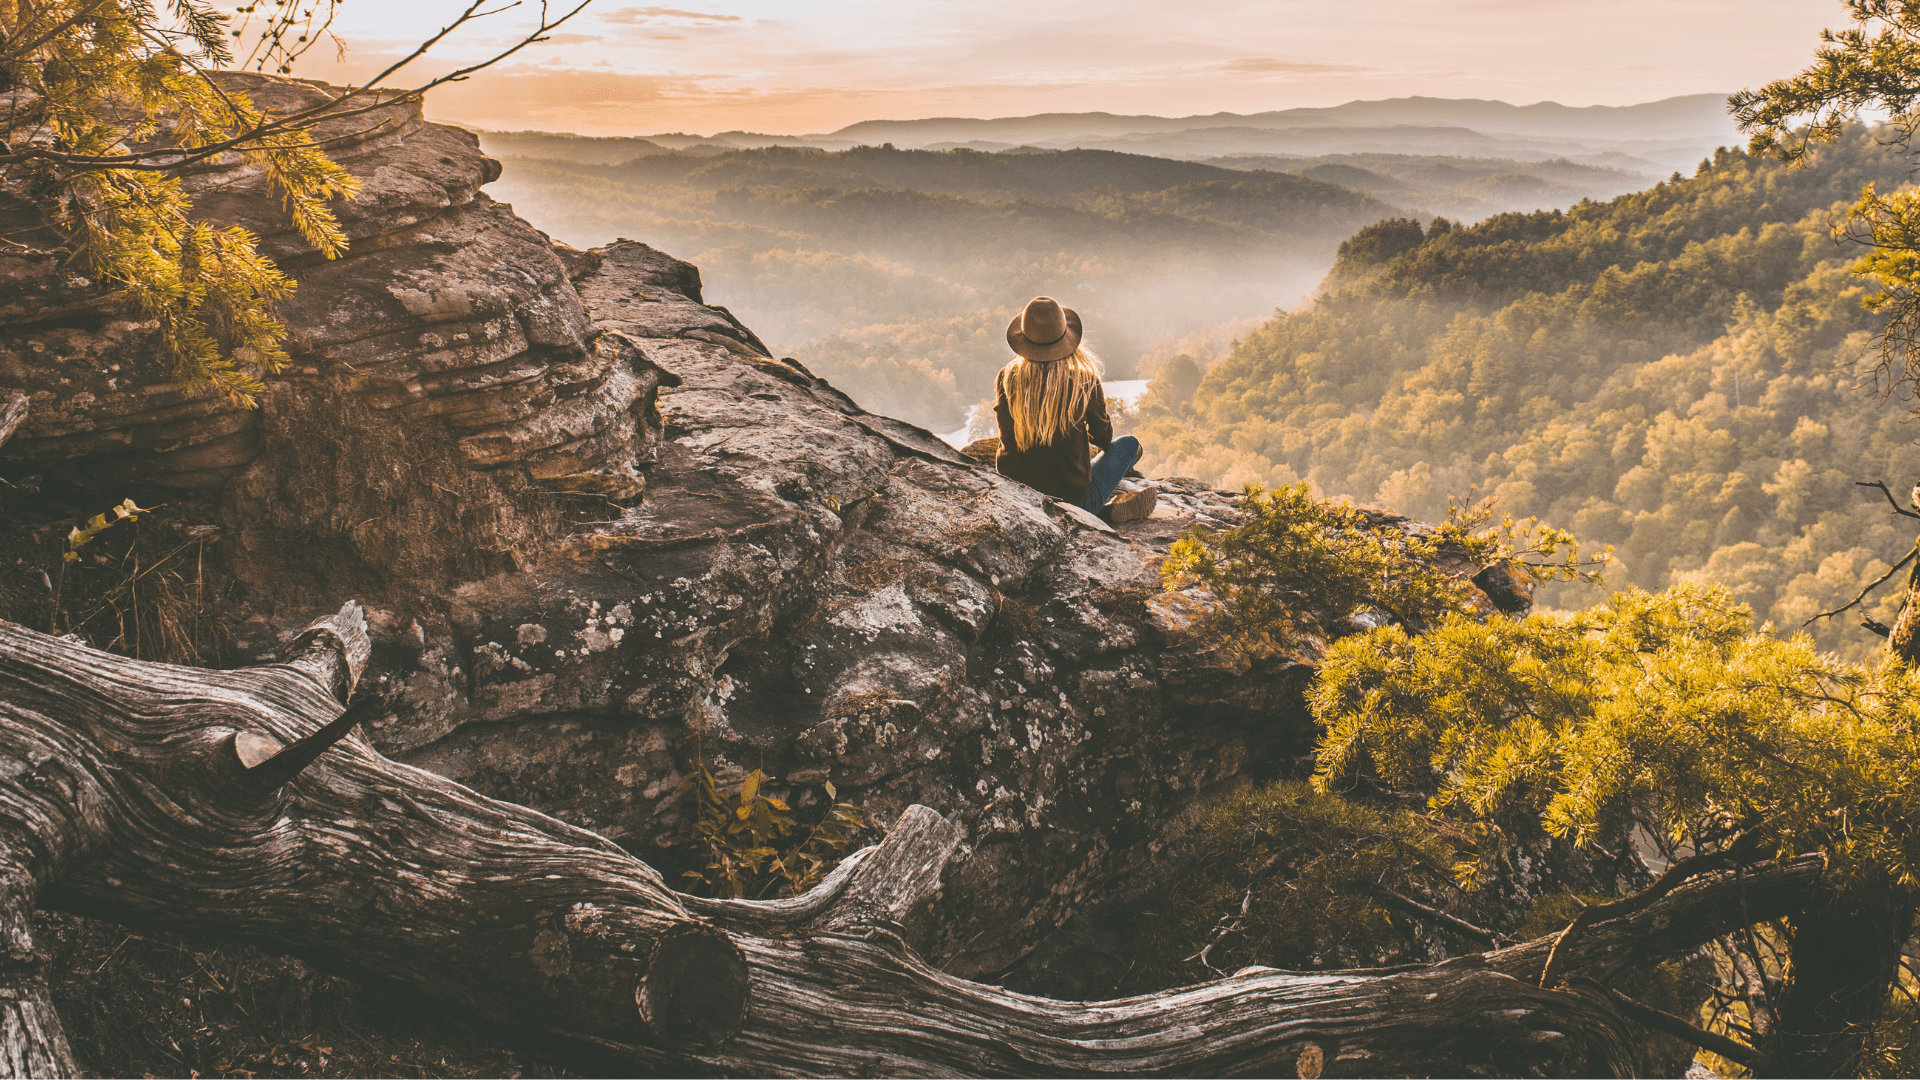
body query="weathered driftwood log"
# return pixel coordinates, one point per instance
(174, 797)
(854, 1000)
(218, 802)
(13, 410)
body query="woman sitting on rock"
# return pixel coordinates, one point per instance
(1051, 406)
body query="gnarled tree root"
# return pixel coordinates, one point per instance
(240, 804)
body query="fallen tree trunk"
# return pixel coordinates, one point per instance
(220, 802)
(174, 797)
(848, 998)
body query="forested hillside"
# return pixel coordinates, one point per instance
(893, 272)
(1462, 188)
(1675, 372)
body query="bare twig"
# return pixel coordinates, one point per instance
(1425, 911)
(163, 159)
(1225, 927)
(13, 50)
(1881, 580)
(271, 46)
(1881, 484)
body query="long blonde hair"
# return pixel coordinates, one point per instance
(1048, 400)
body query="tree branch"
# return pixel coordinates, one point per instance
(1882, 580)
(1685, 918)
(13, 413)
(1458, 925)
(114, 768)
(172, 158)
(142, 791)
(1660, 1020)
(1730, 857)
(14, 50)
(1883, 490)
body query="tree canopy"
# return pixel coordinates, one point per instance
(1673, 719)
(1668, 373)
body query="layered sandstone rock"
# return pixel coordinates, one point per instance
(600, 530)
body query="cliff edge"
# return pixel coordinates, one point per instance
(601, 533)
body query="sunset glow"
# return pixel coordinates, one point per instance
(794, 67)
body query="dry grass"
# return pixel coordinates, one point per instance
(873, 574)
(967, 536)
(146, 599)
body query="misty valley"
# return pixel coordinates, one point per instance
(1663, 366)
(884, 268)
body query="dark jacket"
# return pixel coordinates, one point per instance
(1061, 468)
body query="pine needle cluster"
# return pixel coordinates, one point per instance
(1669, 713)
(1299, 558)
(1872, 66)
(1288, 877)
(104, 100)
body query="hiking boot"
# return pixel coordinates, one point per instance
(1131, 505)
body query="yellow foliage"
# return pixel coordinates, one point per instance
(1673, 710)
(110, 100)
(81, 536)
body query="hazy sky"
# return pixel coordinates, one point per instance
(804, 66)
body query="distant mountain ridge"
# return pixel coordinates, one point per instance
(563, 146)
(1652, 137)
(1693, 114)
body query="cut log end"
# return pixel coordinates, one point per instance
(253, 749)
(695, 991)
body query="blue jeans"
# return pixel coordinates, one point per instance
(1108, 468)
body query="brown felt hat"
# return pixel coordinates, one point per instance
(1044, 331)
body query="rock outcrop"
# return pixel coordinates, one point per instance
(601, 531)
